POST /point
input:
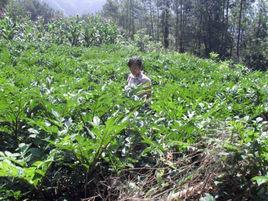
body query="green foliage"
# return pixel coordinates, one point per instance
(75, 31)
(10, 166)
(30, 8)
(261, 179)
(256, 55)
(197, 26)
(144, 42)
(63, 106)
(8, 28)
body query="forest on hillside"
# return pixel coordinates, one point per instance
(234, 29)
(74, 127)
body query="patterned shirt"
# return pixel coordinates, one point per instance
(141, 80)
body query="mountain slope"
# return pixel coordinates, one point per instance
(76, 7)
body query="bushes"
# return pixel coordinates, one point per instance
(87, 31)
(63, 111)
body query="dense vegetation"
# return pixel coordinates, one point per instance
(69, 131)
(76, 31)
(29, 8)
(235, 29)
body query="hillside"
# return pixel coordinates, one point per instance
(76, 7)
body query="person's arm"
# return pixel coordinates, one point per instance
(128, 86)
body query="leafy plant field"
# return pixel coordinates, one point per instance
(66, 125)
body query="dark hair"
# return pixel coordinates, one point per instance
(135, 61)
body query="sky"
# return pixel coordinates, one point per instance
(76, 7)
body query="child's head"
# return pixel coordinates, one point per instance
(135, 65)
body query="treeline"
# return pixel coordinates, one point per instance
(235, 29)
(32, 9)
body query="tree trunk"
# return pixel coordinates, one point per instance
(227, 12)
(239, 30)
(158, 21)
(151, 20)
(177, 25)
(130, 13)
(181, 27)
(166, 24)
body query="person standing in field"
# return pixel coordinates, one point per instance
(138, 84)
(138, 87)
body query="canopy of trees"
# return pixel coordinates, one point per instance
(30, 8)
(234, 29)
